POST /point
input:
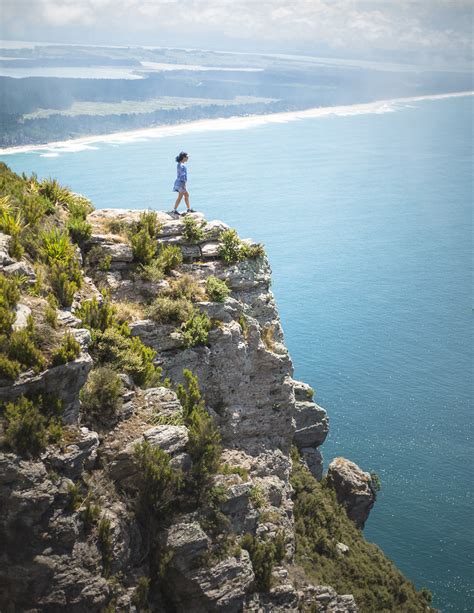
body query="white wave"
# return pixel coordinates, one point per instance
(49, 155)
(164, 67)
(228, 123)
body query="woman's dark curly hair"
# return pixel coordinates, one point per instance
(180, 157)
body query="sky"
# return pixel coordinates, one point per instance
(418, 31)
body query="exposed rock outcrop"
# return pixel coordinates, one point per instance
(71, 518)
(354, 489)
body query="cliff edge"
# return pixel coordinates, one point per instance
(156, 452)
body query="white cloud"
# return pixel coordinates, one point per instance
(408, 26)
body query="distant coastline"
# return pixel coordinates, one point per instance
(238, 122)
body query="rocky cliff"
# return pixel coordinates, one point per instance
(157, 453)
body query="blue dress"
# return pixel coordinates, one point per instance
(182, 177)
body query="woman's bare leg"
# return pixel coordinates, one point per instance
(186, 199)
(178, 200)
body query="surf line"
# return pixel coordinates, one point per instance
(224, 123)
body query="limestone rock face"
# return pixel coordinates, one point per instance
(59, 556)
(353, 489)
(65, 381)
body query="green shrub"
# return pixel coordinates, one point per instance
(63, 287)
(232, 249)
(184, 286)
(51, 311)
(140, 595)
(9, 296)
(193, 231)
(97, 315)
(26, 430)
(9, 369)
(251, 251)
(160, 483)
(55, 193)
(80, 207)
(79, 230)
(74, 497)
(89, 515)
(105, 544)
(195, 330)
(263, 557)
(204, 444)
(149, 222)
(68, 351)
(55, 246)
(22, 349)
(229, 248)
(216, 289)
(126, 354)
(375, 483)
(34, 207)
(153, 271)
(165, 310)
(189, 393)
(227, 469)
(144, 246)
(169, 258)
(257, 497)
(101, 396)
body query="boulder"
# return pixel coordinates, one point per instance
(312, 425)
(22, 313)
(20, 269)
(72, 458)
(5, 258)
(353, 489)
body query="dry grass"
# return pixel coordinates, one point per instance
(129, 311)
(268, 337)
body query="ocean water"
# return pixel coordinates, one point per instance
(367, 222)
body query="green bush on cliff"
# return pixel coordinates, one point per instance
(169, 257)
(263, 555)
(365, 572)
(166, 310)
(143, 237)
(21, 347)
(193, 231)
(79, 230)
(97, 315)
(101, 396)
(116, 348)
(9, 369)
(32, 424)
(216, 289)
(159, 482)
(232, 249)
(204, 438)
(68, 351)
(184, 286)
(195, 330)
(9, 296)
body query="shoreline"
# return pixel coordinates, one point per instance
(236, 122)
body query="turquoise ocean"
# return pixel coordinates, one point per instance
(366, 218)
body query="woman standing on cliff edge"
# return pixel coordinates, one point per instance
(180, 184)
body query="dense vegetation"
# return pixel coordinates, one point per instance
(364, 571)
